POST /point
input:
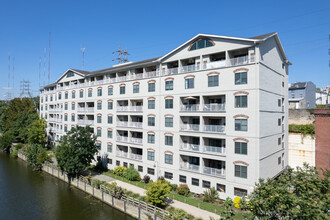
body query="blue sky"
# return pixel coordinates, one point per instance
(150, 29)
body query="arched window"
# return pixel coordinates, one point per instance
(202, 43)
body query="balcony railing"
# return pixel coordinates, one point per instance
(122, 138)
(86, 109)
(213, 149)
(136, 124)
(214, 128)
(122, 123)
(135, 156)
(214, 107)
(121, 154)
(85, 122)
(129, 108)
(190, 127)
(52, 119)
(190, 108)
(188, 166)
(136, 140)
(214, 171)
(189, 147)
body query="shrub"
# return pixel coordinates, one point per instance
(114, 190)
(132, 174)
(183, 189)
(120, 171)
(227, 212)
(178, 214)
(303, 129)
(157, 193)
(146, 179)
(237, 202)
(14, 153)
(97, 183)
(100, 168)
(174, 186)
(19, 146)
(210, 195)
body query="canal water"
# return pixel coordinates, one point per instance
(25, 194)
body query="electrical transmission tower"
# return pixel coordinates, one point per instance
(122, 55)
(83, 56)
(25, 88)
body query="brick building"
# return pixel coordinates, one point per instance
(322, 138)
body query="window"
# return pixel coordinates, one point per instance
(66, 96)
(65, 106)
(279, 160)
(168, 122)
(109, 161)
(125, 164)
(46, 107)
(151, 104)
(99, 92)
(240, 171)
(73, 106)
(90, 93)
(169, 85)
(81, 94)
(189, 83)
(99, 132)
(51, 98)
(151, 87)
(168, 158)
(99, 106)
(136, 88)
(203, 43)
(279, 141)
(109, 119)
(151, 138)
(73, 95)
(194, 182)
(169, 140)
(240, 78)
(117, 163)
(140, 168)
(151, 171)
(279, 103)
(240, 192)
(45, 116)
(65, 128)
(99, 119)
(168, 103)
(42, 108)
(110, 105)
(46, 99)
(109, 148)
(206, 184)
(182, 179)
(72, 118)
(110, 91)
(70, 74)
(60, 96)
(151, 155)
(122, 90)
(221, 188)
(279, 122)
(65, 117)
(109, 133)
(241, 124)
(213, 81)
(151, 121)
(241, 148)
(42, 100)
(168, 175)
(241, 101)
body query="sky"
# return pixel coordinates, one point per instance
(150, 29)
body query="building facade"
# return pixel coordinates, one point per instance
(302, 95)
(210, 113)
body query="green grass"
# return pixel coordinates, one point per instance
(188, 200)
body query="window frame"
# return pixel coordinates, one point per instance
(239, 80)
(241, 126)
(243, 147)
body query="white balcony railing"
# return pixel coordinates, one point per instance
(190, 127)
(129, 108)
(136, 124)
(214, 107)
(122, 123)
(214, 128)
(135, 156)
(122, 108)
(213, 149)
(190, 68)
(122, 138)
(188, 166)
(189, 147)
(121, 154)
(214, 171)
(215, 64)
(52, 119)
(85, 122)
(136, 140)
(190, 108)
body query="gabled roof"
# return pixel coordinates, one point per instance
(82, 73)
(261, 37)
(298, 85)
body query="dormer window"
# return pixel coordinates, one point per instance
(70, 74)
(202, 43)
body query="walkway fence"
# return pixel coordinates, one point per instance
(129, 205)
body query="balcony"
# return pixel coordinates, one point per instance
(136, 140)
(122, 123)
(59, 120)
(122, 139)
(214, 128)
(214, 172)
(135, 156)
(189, 127)
(129, 108)
(121, 154)
(214, 107)
(87, 109)
(85, 122)
(214, 150)
(190, 108)
(190, 167)
(189, 147)
(52, 120)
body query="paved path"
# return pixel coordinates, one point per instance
(198, 213)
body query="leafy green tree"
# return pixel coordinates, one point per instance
(228, 211)
(132, 174)
(295, 194)
(36, 133)
(36, 155)
(76, 150)
(157, 193)
(6, 141)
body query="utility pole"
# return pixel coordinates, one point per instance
(122, 55)
(25, 88)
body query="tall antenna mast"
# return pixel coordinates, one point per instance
(122, 55)
(8, 93)
(83, 56)
(13, 77)
(44, 66)
(39, 70)
(49, 60)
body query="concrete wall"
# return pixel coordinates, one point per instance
(301, 149)
(301, 117)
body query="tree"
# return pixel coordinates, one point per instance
(36, 155)
(132, 174)
(36, 133)
(76, 150)
(227, 212)
(6, 141)
(157, 193)
(295, 194)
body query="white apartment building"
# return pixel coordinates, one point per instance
(210, 113)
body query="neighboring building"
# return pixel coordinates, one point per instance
(302, 95)
(322, 137)
(211, 113)
(322, 98)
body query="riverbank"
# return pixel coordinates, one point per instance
(134, 208)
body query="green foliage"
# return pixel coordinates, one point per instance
(178, 214)
(37, 133)
(210, 195)
(114, 190)
(6, 141)
(157, 193)
(183, 189)
(132, 174)
(14, 153)
(300, 194)
(36, 155)
(97, 183)
(76, 150)
(321, 106)
(303, 129)
(120, 171)
(146, 179)
(227, 212)
(174, 187)
(237, 202)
